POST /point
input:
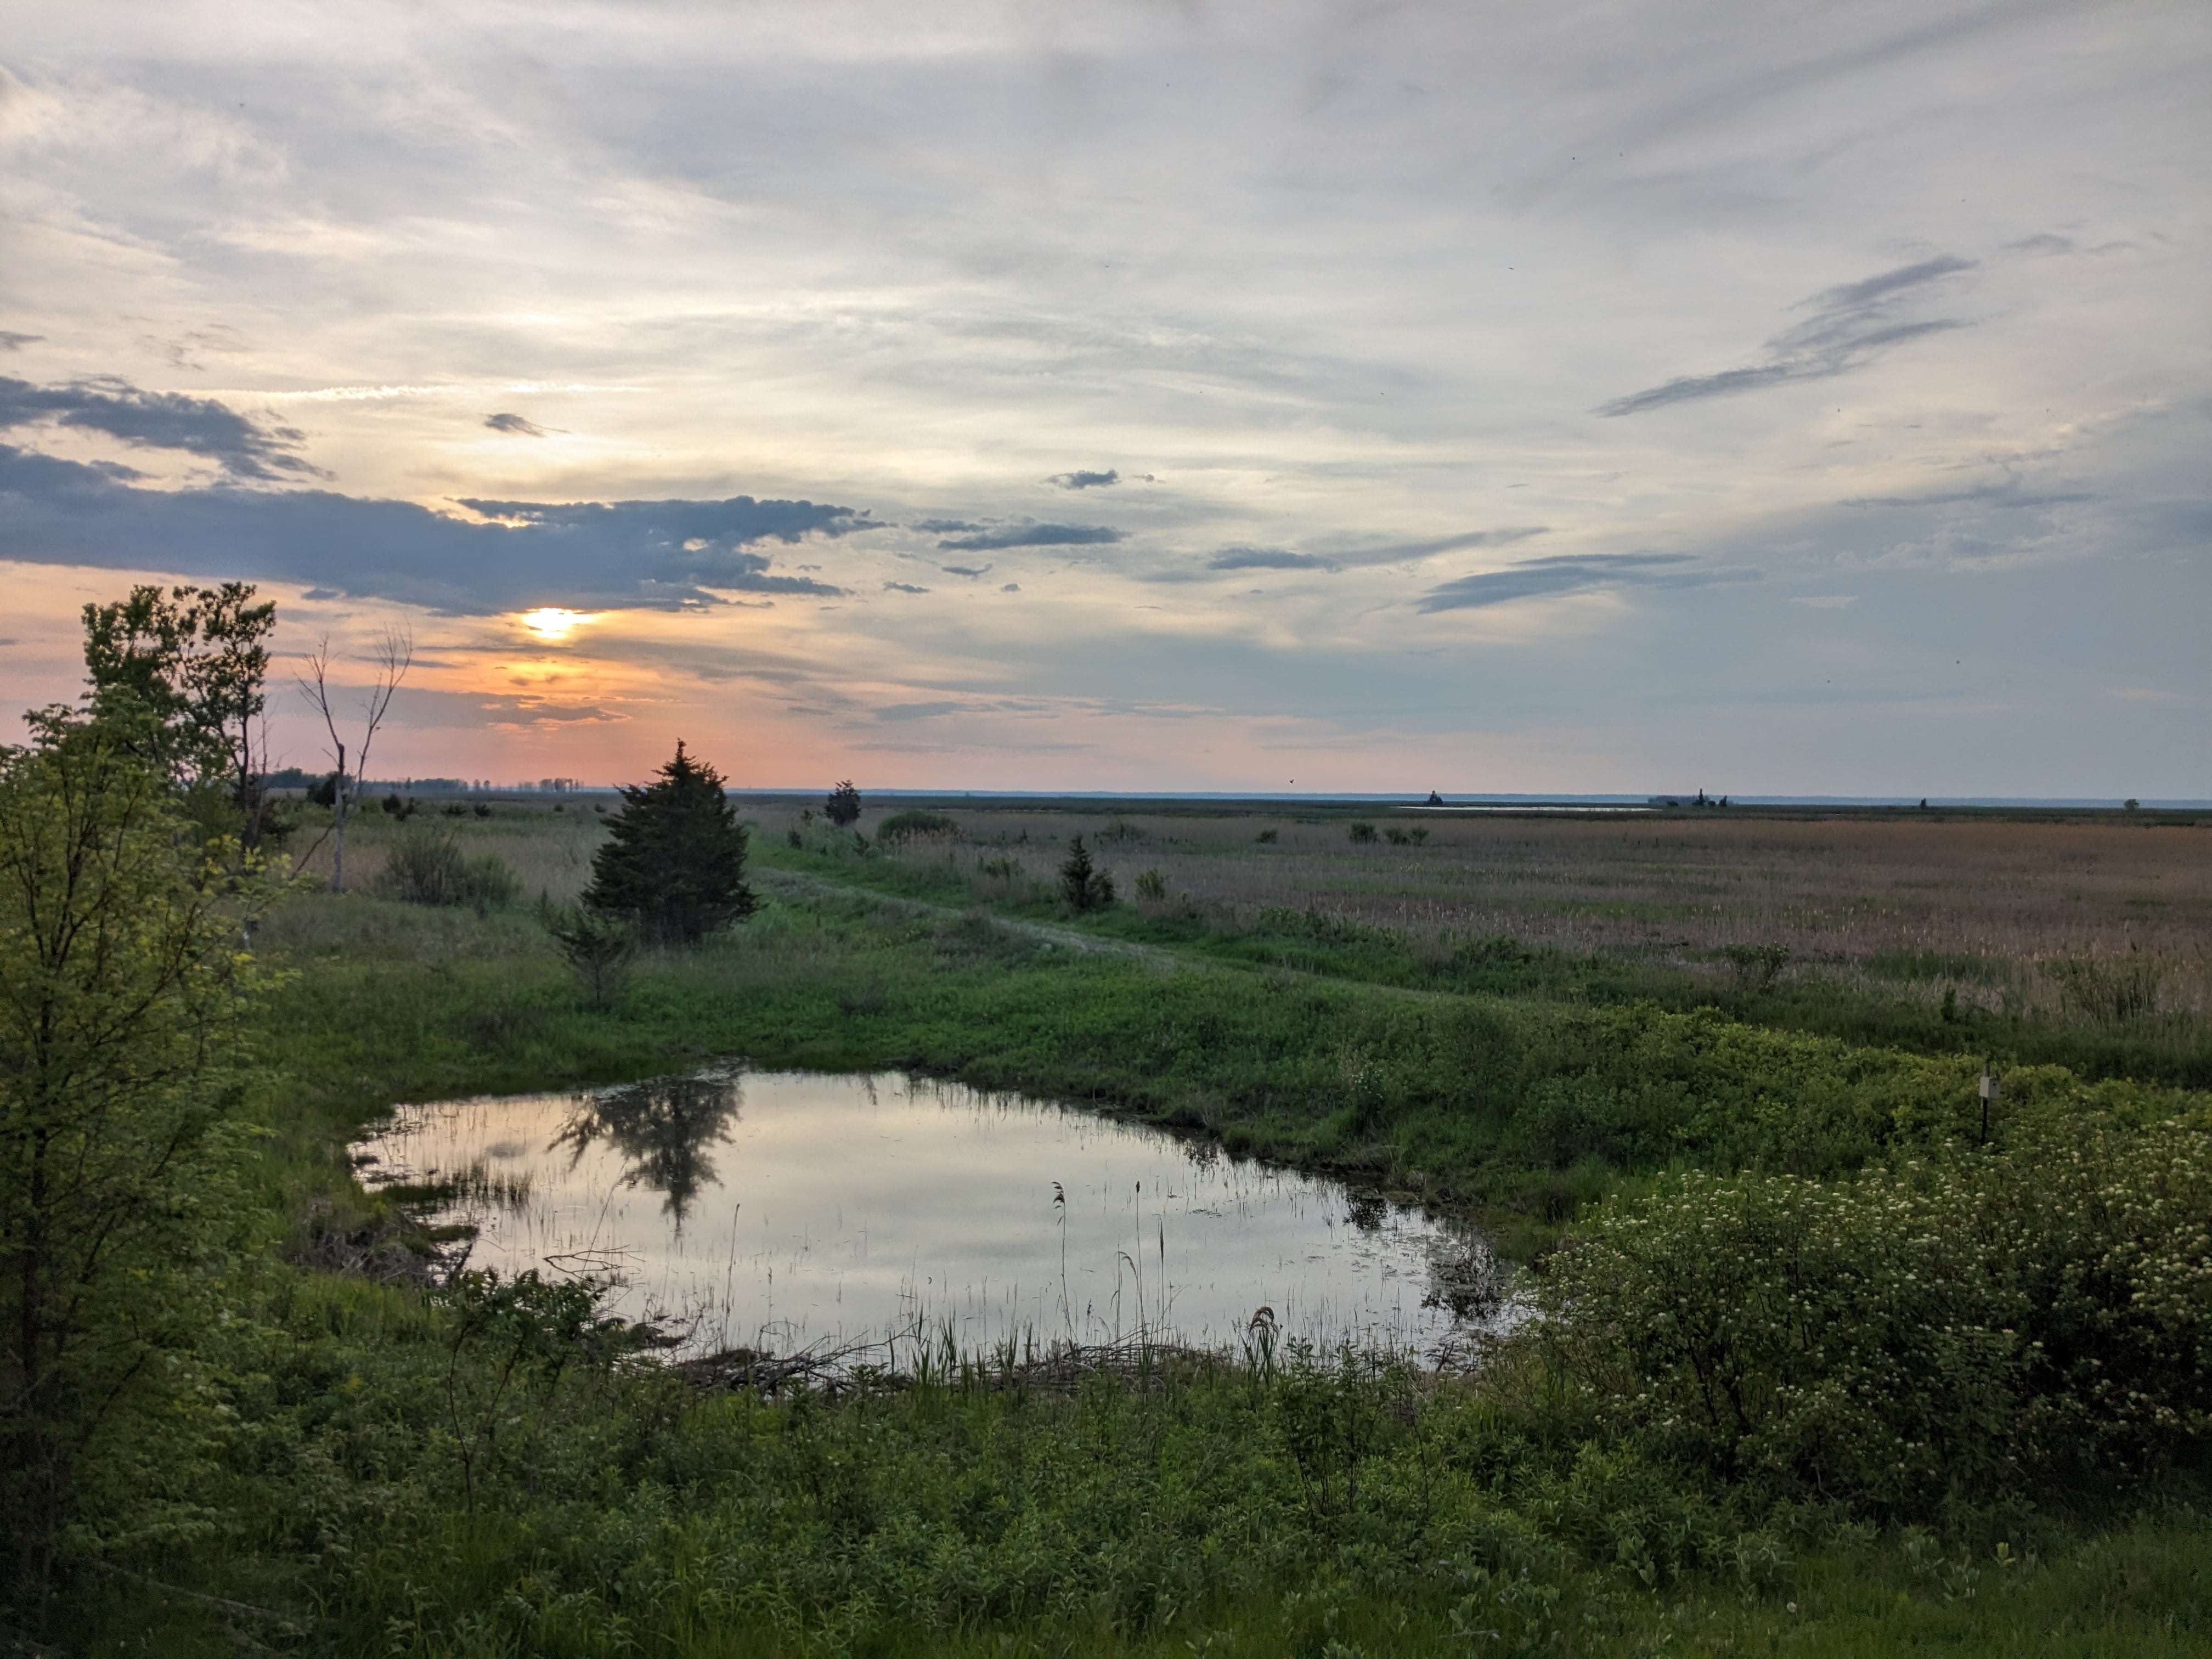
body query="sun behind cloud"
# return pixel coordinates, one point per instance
(553, 624)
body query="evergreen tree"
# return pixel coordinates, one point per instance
(1082, 885)
(843, 807)
(674, 861)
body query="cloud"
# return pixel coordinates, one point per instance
(159, 420)
(1085, 480)
(583, 556)
(943, 526)
(1848, 327)
(1826, 601)
(1266, 558)
(1011, 587)
(425, 708)
(1027, 534)
(11, 341)
(519, 427)
(923, 711)
(1578, 573)
(1997, 495)
(904, 587)
(970, 571)
(1397, 552)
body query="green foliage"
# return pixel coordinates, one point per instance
(2114, 991)
(427, 866)
(916, 823)
(843, 807)
(1757, 966)
(1082, 885)
(194, 661)
(1954, 1330)
(599, 948)
(1151, 884)
(1266, 837)
(1361, 833)
(674, 865)
(121, 987)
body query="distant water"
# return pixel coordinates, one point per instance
(780, 1211)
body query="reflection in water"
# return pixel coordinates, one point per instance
(662, 1127)
(830, 1210)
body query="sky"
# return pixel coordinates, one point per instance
(1507, 397)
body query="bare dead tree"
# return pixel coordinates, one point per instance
(392, 658)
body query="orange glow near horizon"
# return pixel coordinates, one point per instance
(553, 624)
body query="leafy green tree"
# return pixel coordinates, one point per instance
(673, 863)
(843, 807)
(1082, 884)
(122, 985)
(193, 661)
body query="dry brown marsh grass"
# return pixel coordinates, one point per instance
(1985, 907)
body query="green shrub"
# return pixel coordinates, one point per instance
(1981, 1324)
(428, 866)
(1266, 837)
(1151, 884)
(1081, 884)
(1362, 833)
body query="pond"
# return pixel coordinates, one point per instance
(783, 1212)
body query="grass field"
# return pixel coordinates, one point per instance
(404, 1472)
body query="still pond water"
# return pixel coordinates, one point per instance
(786, 1210)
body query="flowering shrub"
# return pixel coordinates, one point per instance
(1984, 1322)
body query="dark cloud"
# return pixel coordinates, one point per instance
(1031, 535)
(1577, 573)
(1266, 558)
(582, 555)
(904, 587)
(1085, 480)
(159, 420)
(518, 425)
(971, 571)
(11, 341)
(1011, 587)
(1848, 327)
(943, 526)
(2003, 494)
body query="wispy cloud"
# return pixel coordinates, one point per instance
(1578, 573)
(518, 425)
(1031, 535)
(1267, 558)
(904, 587)
(1848, 327)
(11, 341)
(1085, 480)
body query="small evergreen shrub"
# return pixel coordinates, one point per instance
(842, 808)
(1266, 837)
(1081, 884)
(1362, 833)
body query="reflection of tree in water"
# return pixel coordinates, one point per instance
(663, 1128)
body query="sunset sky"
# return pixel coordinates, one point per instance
(1523, 396)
